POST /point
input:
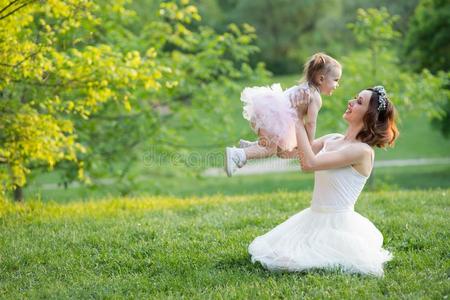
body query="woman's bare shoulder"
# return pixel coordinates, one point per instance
(333, 136)
(364, 149)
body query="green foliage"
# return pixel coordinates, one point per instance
(49, 74)
(418, 94)
(442, 122)
(196, 248)
(422, 92)
(374, 29)
(427, 43)
(205, 67)
(293, 30)
(79, 82)
(280, 24)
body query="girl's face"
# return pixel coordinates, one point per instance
(329, 82)
(357, 107)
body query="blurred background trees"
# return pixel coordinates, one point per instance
(84, 84)
(427, 45)
(290, 31)
(101, 90)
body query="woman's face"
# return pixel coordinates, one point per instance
(357, 107)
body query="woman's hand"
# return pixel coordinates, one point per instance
(300, 102)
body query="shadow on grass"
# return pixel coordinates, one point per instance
(244, 264)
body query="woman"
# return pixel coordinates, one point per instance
(330, 233)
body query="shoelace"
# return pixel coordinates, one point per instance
(237, 161)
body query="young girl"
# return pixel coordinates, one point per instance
(269, 111)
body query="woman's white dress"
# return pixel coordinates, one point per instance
(328, 234)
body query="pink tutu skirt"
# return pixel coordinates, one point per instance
(269, 108)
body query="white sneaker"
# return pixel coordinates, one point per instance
(234, 158)
(245, 144)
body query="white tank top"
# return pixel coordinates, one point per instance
(336, 190)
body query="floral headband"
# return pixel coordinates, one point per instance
(382, 98)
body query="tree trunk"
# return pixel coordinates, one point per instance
(18, 194)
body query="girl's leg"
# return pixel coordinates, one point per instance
(287, 154)
(264, 148)
(237, 157)
(245, 144)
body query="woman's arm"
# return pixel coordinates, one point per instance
(316, 146)
(350, 155)
(318, 143)
(309, 161)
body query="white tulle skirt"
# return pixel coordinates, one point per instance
(315, 239)
(268, 108)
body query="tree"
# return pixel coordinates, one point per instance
(378, 64)
(80, 90)
(290, 31)
(49, 72)
(427, 42)
(374, 28)
(279, 24)
(427, 45)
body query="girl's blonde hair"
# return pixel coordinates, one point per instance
(318, 64)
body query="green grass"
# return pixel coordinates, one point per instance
(196, 248)
(389, 179)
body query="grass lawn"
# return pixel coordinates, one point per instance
(388, 179)
(196, 248)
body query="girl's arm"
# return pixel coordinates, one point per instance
(309, 161)
(303, 97)
(311, 122)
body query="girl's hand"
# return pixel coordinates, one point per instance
(300, 101)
